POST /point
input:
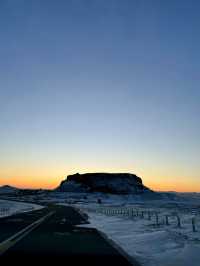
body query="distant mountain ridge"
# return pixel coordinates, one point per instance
(8, 189)
(116, 183)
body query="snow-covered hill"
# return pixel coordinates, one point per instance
(115, 183)
(8, 189)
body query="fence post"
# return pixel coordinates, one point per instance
(167, 219)
(193, 225)
(157, 219)
(178, 221)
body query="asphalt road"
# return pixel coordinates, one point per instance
(13, 224)
(55, 238)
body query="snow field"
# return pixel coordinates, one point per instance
(151, 243)
(8, 208)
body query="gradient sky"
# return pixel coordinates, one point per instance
(100, 85)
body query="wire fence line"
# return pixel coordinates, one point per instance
(157, 218)
(6, 211)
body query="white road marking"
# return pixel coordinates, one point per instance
(11, 241)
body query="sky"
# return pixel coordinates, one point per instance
(100, 86)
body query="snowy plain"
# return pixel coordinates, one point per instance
(141, 237)
(8, 207)
(149, 242)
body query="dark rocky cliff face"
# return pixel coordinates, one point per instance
(122, 183)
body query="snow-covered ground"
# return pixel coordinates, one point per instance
(151, 245)
(152, 242)
(8, 208)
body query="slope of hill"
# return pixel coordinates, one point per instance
(8, 189)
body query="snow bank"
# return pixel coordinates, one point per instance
(8, 208)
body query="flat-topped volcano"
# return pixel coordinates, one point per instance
(116, 183)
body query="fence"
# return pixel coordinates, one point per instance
(5, 211)
(157, 218)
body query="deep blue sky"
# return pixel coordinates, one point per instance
(100, 86)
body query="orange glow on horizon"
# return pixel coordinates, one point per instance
(53, 182)
(50, 176)
(176, 186)
(30, 183)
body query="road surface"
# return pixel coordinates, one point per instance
(51, 236)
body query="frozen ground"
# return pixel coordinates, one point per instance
(151, 245)
(152, 242)
(11, 207)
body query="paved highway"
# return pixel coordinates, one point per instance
(51, 236)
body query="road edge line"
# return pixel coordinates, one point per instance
(118, 248)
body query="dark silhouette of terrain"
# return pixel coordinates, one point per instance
(116, 183)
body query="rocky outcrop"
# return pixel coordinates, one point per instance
(116, 183)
